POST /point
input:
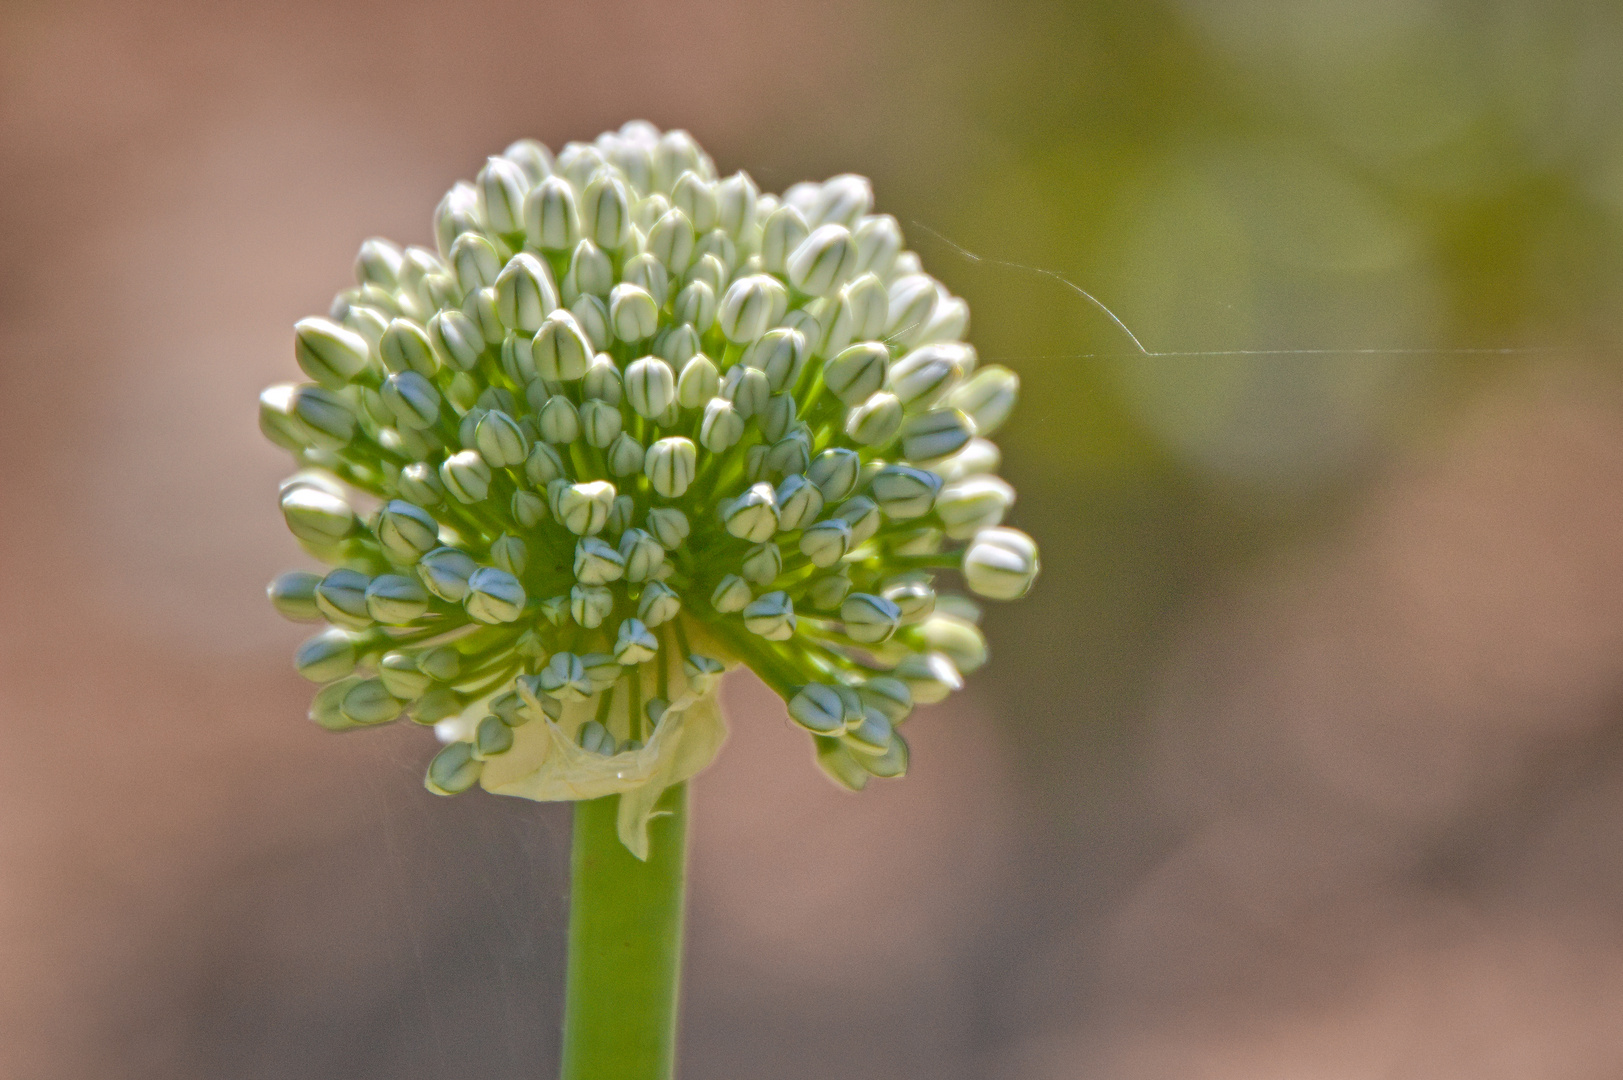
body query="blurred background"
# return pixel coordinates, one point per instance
(1303, 760)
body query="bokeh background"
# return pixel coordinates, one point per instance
(1303, 760)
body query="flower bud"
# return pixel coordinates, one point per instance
(857, 372)
(736, 200)
(697, 199)
(466, 476)
(544, 464)
(671, 240)
(826, 542)
(876, 421)
(369, 702)
(771, 616)
(494, 596)
(480, 308)
(551, 221)
(659, 604)
(840, 764)
(904, 492)
(524, 293)
(592, 315)
(328, 656)
(862, 514)
(491, 738)
(698, 383)
(500, 440)
(752, 516)
(532, 157)
(633, 314)
(1000, 563)
(597, 562)
(778, 416)
(323, 416)
(453, 770)
(405, 346)
(293, 594)
(763, 563)
(518, 358)
(824, 261)
(602, 380)
(929, 677)
(722, 426)
(589, 605)
(913, 299)
(670, 465)
(819, 709)
(889, 696)
(583, 509)
(925, 375)
(590, 271)
(559, 421)
(605, 211)
(960, 640)
(748, 389)
(640, 554)
(843, 199)
(443, 663)
(278, 422)
(625, 456)
(595, 738)
(406, 532)
(972, 504)
(711, 271)
(378, 263)
(869, 619)
(799, 502)
(400, 676)
(827, 593)
(879, 241)
(620, 512)
(412, 400)
(981, 457)
(600, 422)
(316, 516)
(669, 526)
(782, 232)
(634, 643)
(781, 354)
(988, 397)
(835, 472)
(696, 305)
(510, 554)
(529, 509)
(475, 262)
(871, 735)
(330, 354)
(731, 594)
(445, 571)
(650, 386)
(341, 597)
(502, 186)
(751, 306)
(934, 435)
(648, 274)
(564, 678)
(395, 600)
(456, 214)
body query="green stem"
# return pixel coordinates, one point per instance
(625, 944)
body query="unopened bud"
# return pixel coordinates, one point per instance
(317, 516)
(763, 564)
(583, 509)
(510, 554)
(771, 616)
(876, 421)
(988, 397)
(659, 604)
(466, 476)
(559, 421)
(752, 516)
(561, 348)
(329, 353)
(453, 770)
(524, 293)
(824, 261)
(751, 306)
(445, 571)
(634, 644)
(904, 492)
(491, 738)
(600, 423)
(551, 220)
(494, 596)
(782, 232)
(929, 677)
(1000, 563)
(564, 678)
(934, 435)
(826, 542)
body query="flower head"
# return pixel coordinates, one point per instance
(629, 425)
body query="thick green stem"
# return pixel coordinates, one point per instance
(625, 944)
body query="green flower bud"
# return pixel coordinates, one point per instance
(456, 214)
(525, 294)
(862, 514)
(722, 426)
(710, 270)
(960, 640)
(597, 562)
(559, 421)
(671, 240)
(529, 509)
(466, 476)
(594, 737)
(771, 616)
(752, 516)
(696, 305)
(835, 473)
(564, 678)
(602, 669)
(782, 232)
(605, 211)
(935, 435)
(925, 375)
(634, 644)
(551, 221)
(500, 440)
(278, 421)
(445, 571)
(480, 308)
(930, 677)
(640, 555)
(659, 604)
(876, 421)
(420, 483)
(751, 306)
(494, 596)
(912, 595)
(401, 677)
(827, 593)
(491, 738)
(602, 380)
(443, 663)
(453, 770)
(781, 354)
(731, 594)
(294, 595)
(583, 509)
(411, 399)
(633, 314)
(843, 199)
(502, 185)
(819, 709)
(904, 492)
(341, 597)
(329, 353)
(717, 243)
(620, 512)
(948, 322)
(669, 526)
(872, 735)
(869, 619)
(890, 765)
(677, 345)
(368, 702)
(395, 600)
(328, 656)
(556, 609)
(826, 542)
(840, 764)
(979, 458)
(778, 416)
(671, 464)
(799, 502)
(763, 563)
(323, 417)
(561, 348)
(511, 708)
(510, 554)
(589, 605)
(326, 709)
(890, 696)
(518, 358)
(1000, 563)
(748, 389)
(790, 454)
(531, 156)
(824, 261)
(405, 531)
(317, 516)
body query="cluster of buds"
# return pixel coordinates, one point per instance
(629, 425)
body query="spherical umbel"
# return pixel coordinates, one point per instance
(630, 423)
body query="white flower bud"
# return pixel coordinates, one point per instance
(826, 542)
(323, 416)
(341, 597)
(406, 532)
(799, 503)
(977, 502)
(395, 600)
(879, 241)
(543, 466)
(633, 314)
(590, 272)
(480, 308)
(872, 736)
(862, 514)
(670, 465)
(780, 354)
(494, 596)
(525, 293)
(597, 562)
(625, 456)
(502, 186)
(589, 605)
(401, 677)
(329, 353)
(620, 512)
(600, 422)
(778, 416)
(456, 214)
(731, 594)
(1000, 563)
(411, 399)
(696, 305)
(782, 232)
(378, 263)
(634, 644)
(935, 435)
(649, 274)
(912, 595)
(736, 201)
(583, 509)
(981, 457)
(929, 677)
(500, 440)
(509, 553)
(889, 696)
(869, 619)
(551, 220)
(605, 211)
(913, 299)
(988, 397)
(710, 270)
(650, 386)
(826, 593)
(835, 472)
(317, 516)
(669, 526)
(752, 516)
(676, 345)
(466, 476)
(824, 261)
(456, 340)
(721, 427)
(671, 240)
(518, 358)
(697, 199)
(819, 709)
(559, 421)
(771, 616)
(751, 306)
(593, 316)
(904, 492)
(747, 388)
(475, 262)
(875, 421)
(859, 314)
(445, 571)
(564, 678)
(857, 372)
(676, 153)
(762, 564)
(277, 420)
(640, 554)
(842, 199)
(328, 656)
(960, 640)
(294, 595)
(925, 375)
(531, 156)
(405, 346)
(659, 604)
(529, 509)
